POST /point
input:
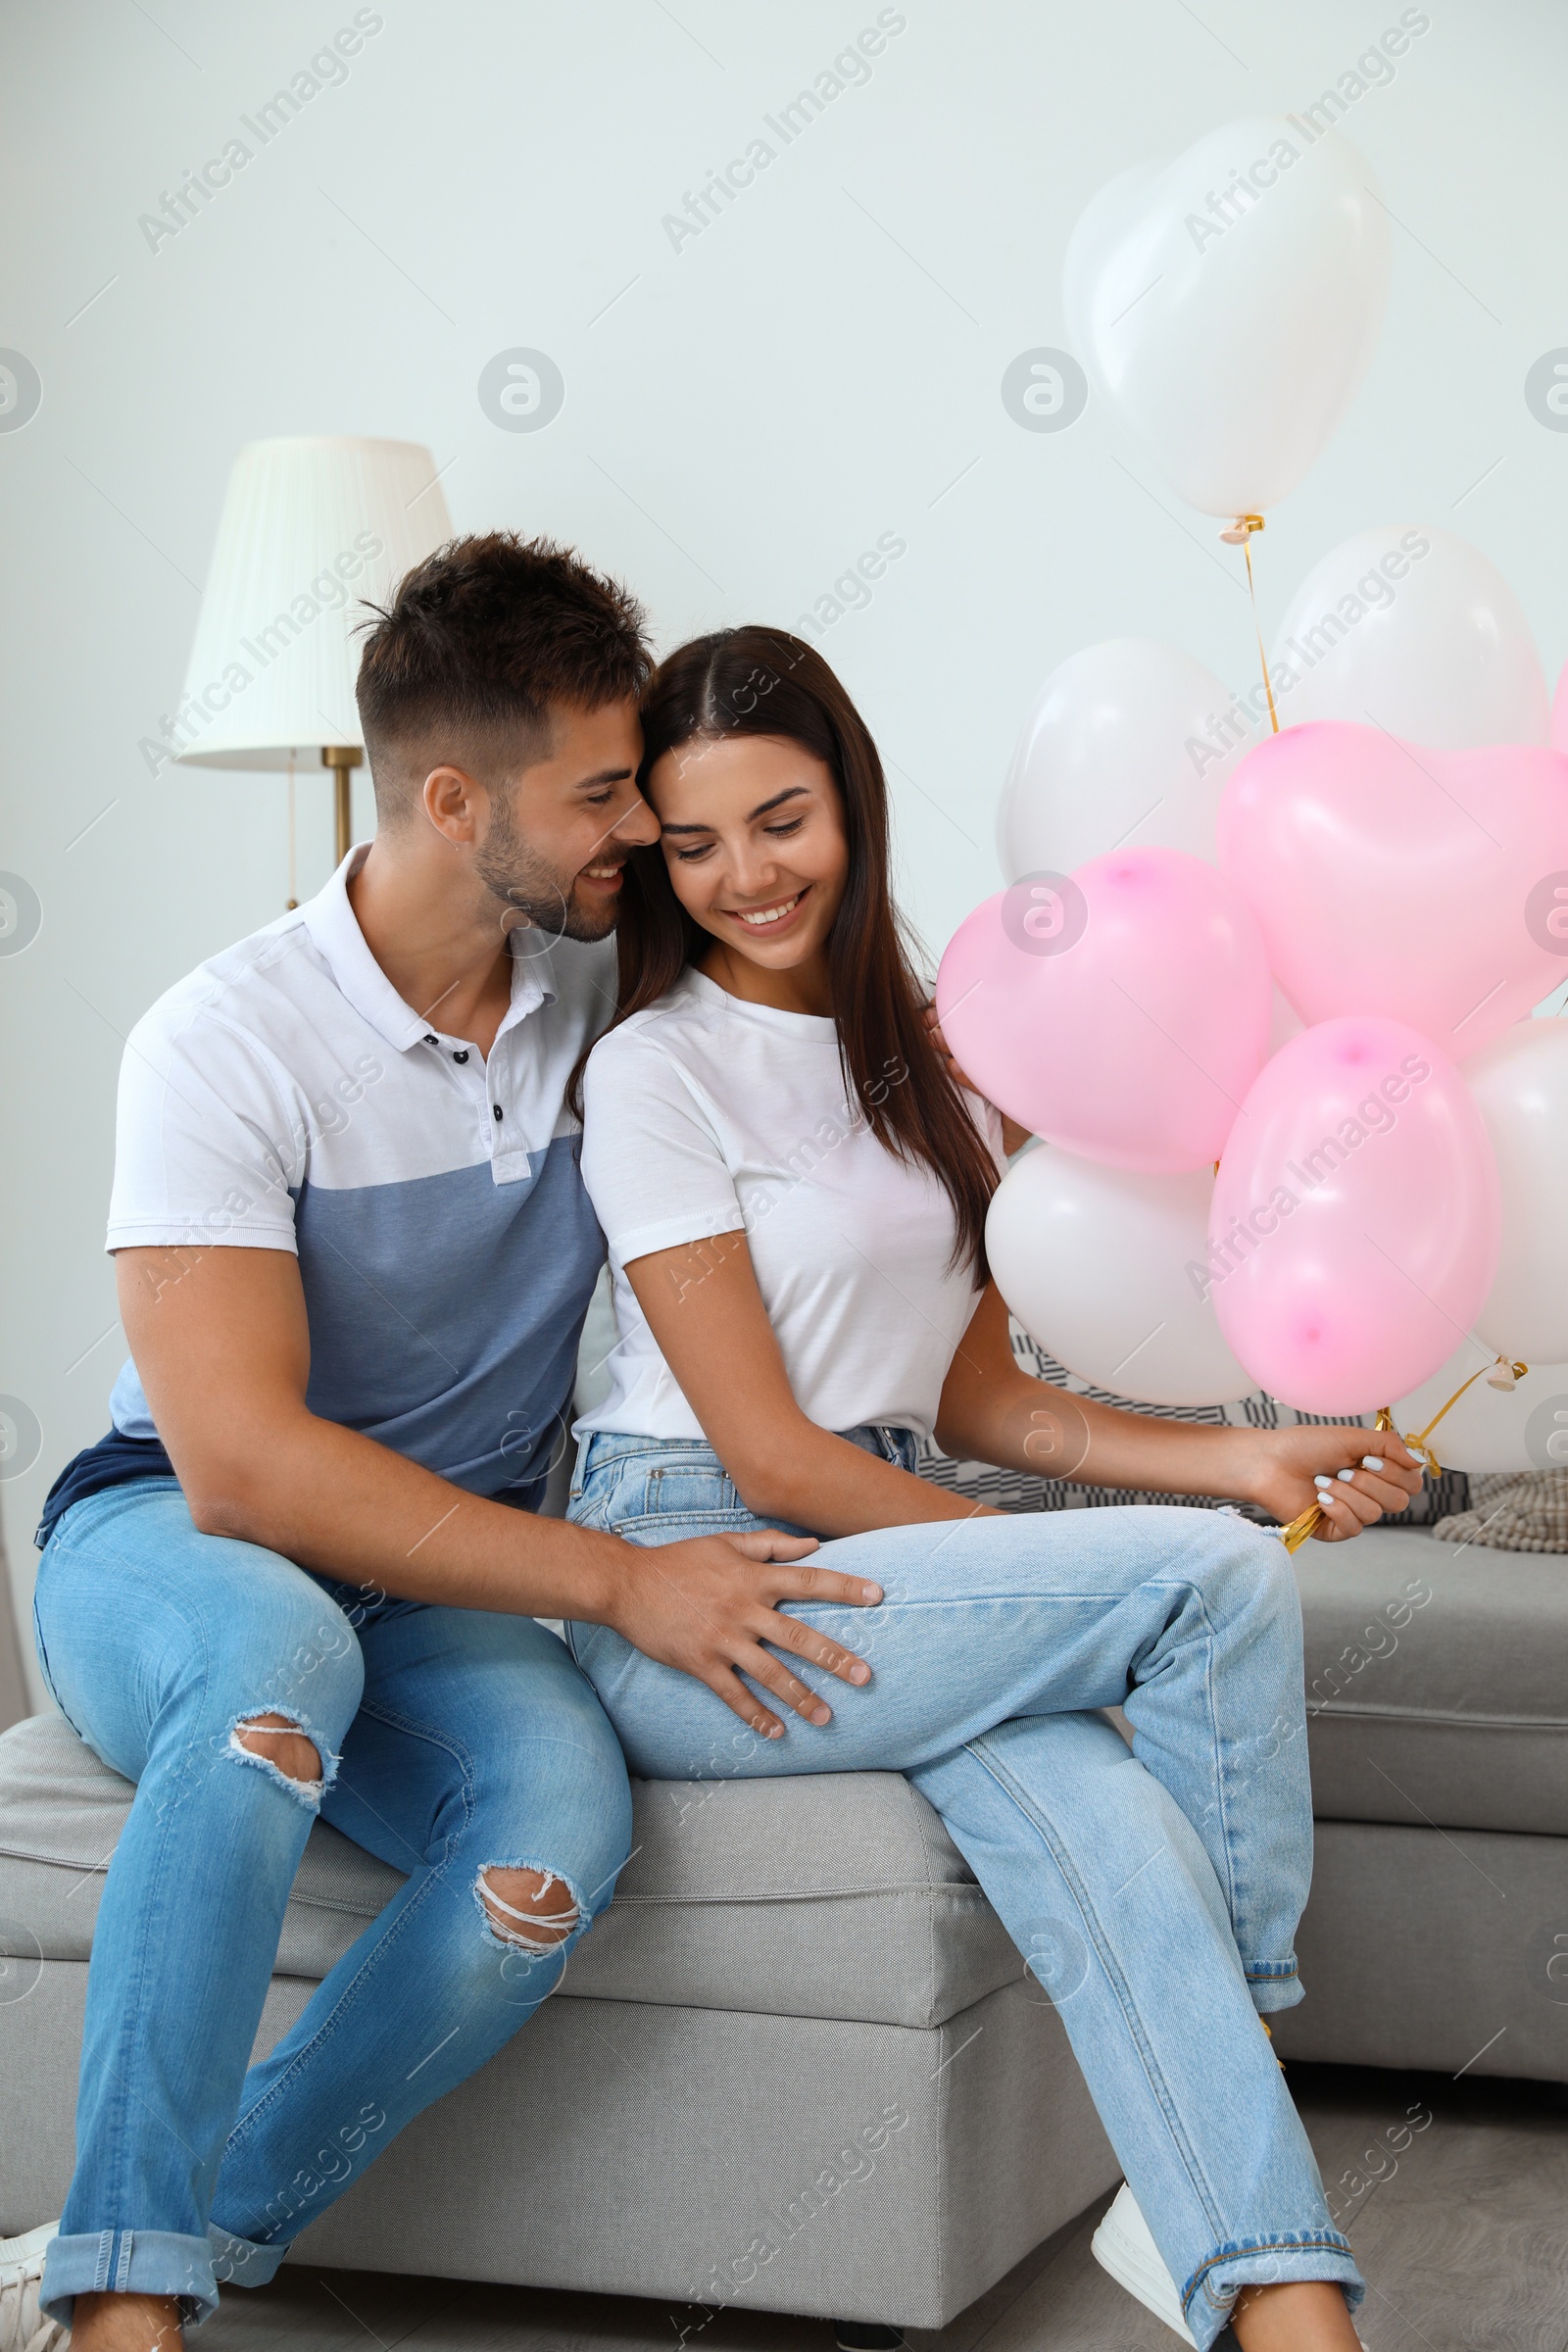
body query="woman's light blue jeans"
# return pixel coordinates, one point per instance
(1155, 1894)
(452, 1741)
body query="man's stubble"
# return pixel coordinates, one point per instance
(526, 883)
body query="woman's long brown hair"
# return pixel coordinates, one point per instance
(762, 681)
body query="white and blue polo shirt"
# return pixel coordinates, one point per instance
(284, 1097)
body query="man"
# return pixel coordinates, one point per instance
(301, 1576)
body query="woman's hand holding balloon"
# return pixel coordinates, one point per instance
(1295, 1467)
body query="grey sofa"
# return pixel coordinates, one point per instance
(799, 2065)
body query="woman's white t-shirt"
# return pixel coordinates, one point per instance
(706, 1115)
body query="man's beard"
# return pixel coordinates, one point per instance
(525, 882)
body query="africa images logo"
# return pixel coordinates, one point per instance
(522, 390)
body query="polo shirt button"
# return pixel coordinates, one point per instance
(461, 1056)
(431, 1038)
(496, 1107)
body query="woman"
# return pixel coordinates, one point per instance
(794, 1190)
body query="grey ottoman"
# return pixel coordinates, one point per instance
(1437, 1691)
(797, 2066)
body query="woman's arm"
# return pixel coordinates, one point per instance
(992, 1411)
(706, 1311)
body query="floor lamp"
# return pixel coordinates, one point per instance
(311, 532)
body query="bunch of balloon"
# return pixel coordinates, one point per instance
(1411, 899)
(1263, 977)
(1120, 1014)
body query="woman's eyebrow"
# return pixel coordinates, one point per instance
(789, 792)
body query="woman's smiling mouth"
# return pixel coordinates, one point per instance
(767, 918)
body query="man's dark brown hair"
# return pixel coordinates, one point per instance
(477, 645)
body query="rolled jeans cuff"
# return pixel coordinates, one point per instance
(240, 2262)
(1274, 1989)
(128, 2262)
(1210, 2293)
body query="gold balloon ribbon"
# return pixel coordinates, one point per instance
(1240, 535)
(1300, 1526)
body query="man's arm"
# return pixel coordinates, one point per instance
(221, 1342)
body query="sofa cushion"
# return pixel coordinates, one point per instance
(1512, 1510)
(1437, 1683)
(833, 1895)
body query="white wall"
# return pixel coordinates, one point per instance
(815, 369)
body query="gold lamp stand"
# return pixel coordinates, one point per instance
(343, 759)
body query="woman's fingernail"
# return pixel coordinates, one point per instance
(775, 1730)
(1346, 1475)
(1322, 1479)
(859, 1674)
(1372, 1461)
(871, 1595)
(821, 1715)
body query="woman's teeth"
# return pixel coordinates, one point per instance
(770, 915)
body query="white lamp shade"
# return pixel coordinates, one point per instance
(309, 528)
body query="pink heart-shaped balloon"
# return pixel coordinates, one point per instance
(1121, 1012)
(1428, 886)
(1355, 1223)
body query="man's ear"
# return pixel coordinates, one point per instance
(457, 805)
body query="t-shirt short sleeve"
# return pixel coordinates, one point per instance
(206, 1146)
(650, 1159)
(988, 1118)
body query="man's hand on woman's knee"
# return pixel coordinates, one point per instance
(711, 1607)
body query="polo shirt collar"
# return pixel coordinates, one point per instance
(334, 928)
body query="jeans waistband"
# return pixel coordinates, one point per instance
(899, 1445)
(602, 1446)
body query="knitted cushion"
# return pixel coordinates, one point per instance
(1512, 1510)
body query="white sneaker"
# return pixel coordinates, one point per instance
(1123, 2246)
(23, 2329)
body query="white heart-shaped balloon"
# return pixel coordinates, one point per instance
(1227, 304)
(1108, 1268)
(1412, 629)
(1128, 745)
(1520, 1080)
